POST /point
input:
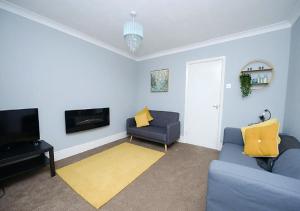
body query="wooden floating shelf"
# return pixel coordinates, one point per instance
(249, 71)
(260, 84)
(261, 73)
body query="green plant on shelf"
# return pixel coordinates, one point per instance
(245, 80)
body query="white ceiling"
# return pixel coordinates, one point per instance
(167, 24)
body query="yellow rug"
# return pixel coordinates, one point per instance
(102, 176)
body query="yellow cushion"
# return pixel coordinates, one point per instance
(261, 141)
(145, 110)
(266, 123)
(141, 120)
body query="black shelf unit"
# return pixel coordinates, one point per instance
(26, 157)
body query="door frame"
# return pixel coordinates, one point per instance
(221, 97)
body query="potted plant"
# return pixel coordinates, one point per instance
(245, 80)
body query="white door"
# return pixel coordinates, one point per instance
(204, 90)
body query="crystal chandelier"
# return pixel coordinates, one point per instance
(133, 33)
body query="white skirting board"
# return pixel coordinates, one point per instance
(68, 152)
(74, 150)
(181, 139)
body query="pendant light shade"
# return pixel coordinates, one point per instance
(133, 33)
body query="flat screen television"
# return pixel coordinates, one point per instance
(86, 119)
(18, 126)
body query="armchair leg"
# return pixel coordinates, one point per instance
(130, 139)
(166, 147)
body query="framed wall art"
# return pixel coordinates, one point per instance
(160, 80)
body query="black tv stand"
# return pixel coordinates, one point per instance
(25, 157)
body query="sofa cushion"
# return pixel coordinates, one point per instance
(262, 141)
(234, 153)
(162, 118)
(158, 133)
(288, 164)
(265, 123)
(147, 112)
(141, 120)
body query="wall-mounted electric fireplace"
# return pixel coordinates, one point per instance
(79, 120)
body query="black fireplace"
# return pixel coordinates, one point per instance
(79, 120)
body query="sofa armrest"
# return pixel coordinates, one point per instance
(234, 187)
(233, 135)
(173, 132)
(130, 122)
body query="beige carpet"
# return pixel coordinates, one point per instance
(176, 182)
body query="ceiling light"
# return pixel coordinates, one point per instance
(133, 33)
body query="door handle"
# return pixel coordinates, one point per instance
(215, 106)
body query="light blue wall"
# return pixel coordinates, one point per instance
(273, 47)
(292, 112)
(44, 68)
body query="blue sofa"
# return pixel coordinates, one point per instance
(237, 183)
(164, 128)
